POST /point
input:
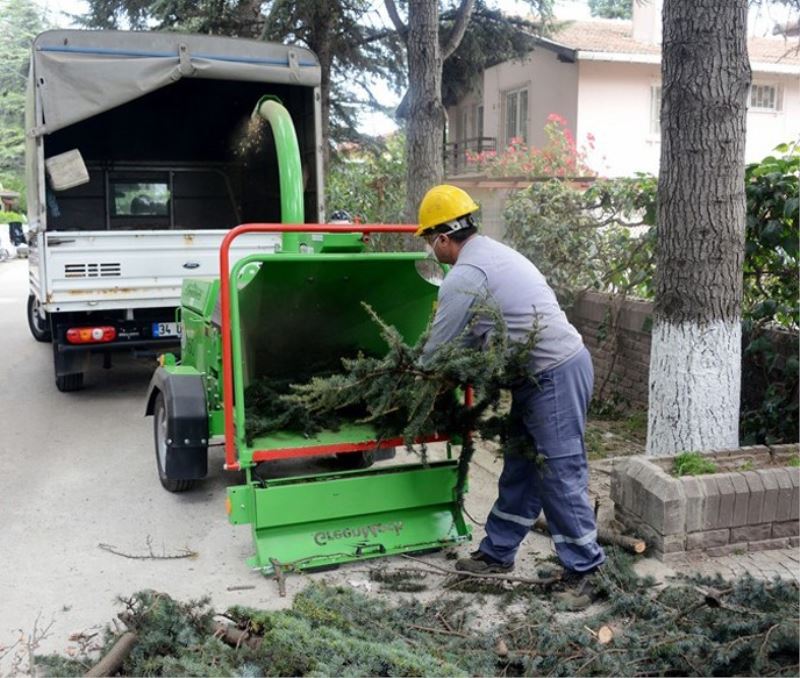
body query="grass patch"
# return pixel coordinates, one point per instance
(636, 425)
(692, 464)
(794, 461)
(594, 443)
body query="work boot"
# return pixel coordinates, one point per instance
(481, 563)
(579, 590)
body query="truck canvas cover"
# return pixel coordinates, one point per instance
(79, 74)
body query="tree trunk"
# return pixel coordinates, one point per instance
(325, 60)
(323, 19)
(426, 114)
(695, 360)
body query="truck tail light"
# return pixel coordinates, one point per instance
(91, 335)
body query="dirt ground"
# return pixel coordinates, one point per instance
(619, 435)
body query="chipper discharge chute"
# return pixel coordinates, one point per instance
(286, 314)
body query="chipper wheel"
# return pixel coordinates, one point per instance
(160, 416)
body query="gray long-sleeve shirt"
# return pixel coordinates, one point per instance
(488, 270)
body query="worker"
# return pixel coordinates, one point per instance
(548, 410)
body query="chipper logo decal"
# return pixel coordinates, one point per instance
(325, 536)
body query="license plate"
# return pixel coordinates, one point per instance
(166, 330)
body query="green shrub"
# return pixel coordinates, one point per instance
(8, 217)
(584, 240)
(596, 239)
(370, 184)
(772, 298)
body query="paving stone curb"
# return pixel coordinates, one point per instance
(732, 511)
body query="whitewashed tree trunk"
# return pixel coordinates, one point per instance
(695, 371)
(695, 359)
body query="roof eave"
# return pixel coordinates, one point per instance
(624, 57)
(564, 53)
(640, 58)
(778, 69)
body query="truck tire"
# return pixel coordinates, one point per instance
(160, 417)
(40, 329)
(69, 382)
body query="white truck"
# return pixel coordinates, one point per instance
(140, 157)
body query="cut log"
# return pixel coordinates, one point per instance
(605, 635)
(235, 637)
(112, 662)
(604, 536)
(632, 544)
(501, 648)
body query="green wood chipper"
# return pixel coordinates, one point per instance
(277, 314)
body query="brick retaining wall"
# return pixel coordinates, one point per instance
(754, 508)
(622, 358)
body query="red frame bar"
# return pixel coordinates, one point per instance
(231, 460)
(322, 450)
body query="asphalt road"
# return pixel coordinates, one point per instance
(77, 470)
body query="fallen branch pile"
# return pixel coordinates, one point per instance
(693, 627)
(402, 394)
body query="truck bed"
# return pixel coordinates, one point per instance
(94, 270)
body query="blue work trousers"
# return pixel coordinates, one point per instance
(549, 413)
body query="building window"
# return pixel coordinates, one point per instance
(764, 97)
(464, 123)
(477, 121)
(516, 105)
(655, 110)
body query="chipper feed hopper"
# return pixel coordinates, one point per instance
(280, 314)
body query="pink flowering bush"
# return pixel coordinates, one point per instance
(559, 157)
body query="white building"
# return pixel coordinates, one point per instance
(604, 78)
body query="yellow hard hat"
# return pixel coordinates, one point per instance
(441, 204)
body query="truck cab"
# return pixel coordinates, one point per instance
(141, 154)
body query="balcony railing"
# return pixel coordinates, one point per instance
(455, 154)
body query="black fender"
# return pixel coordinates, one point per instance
(70, 359)
(187, 422)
